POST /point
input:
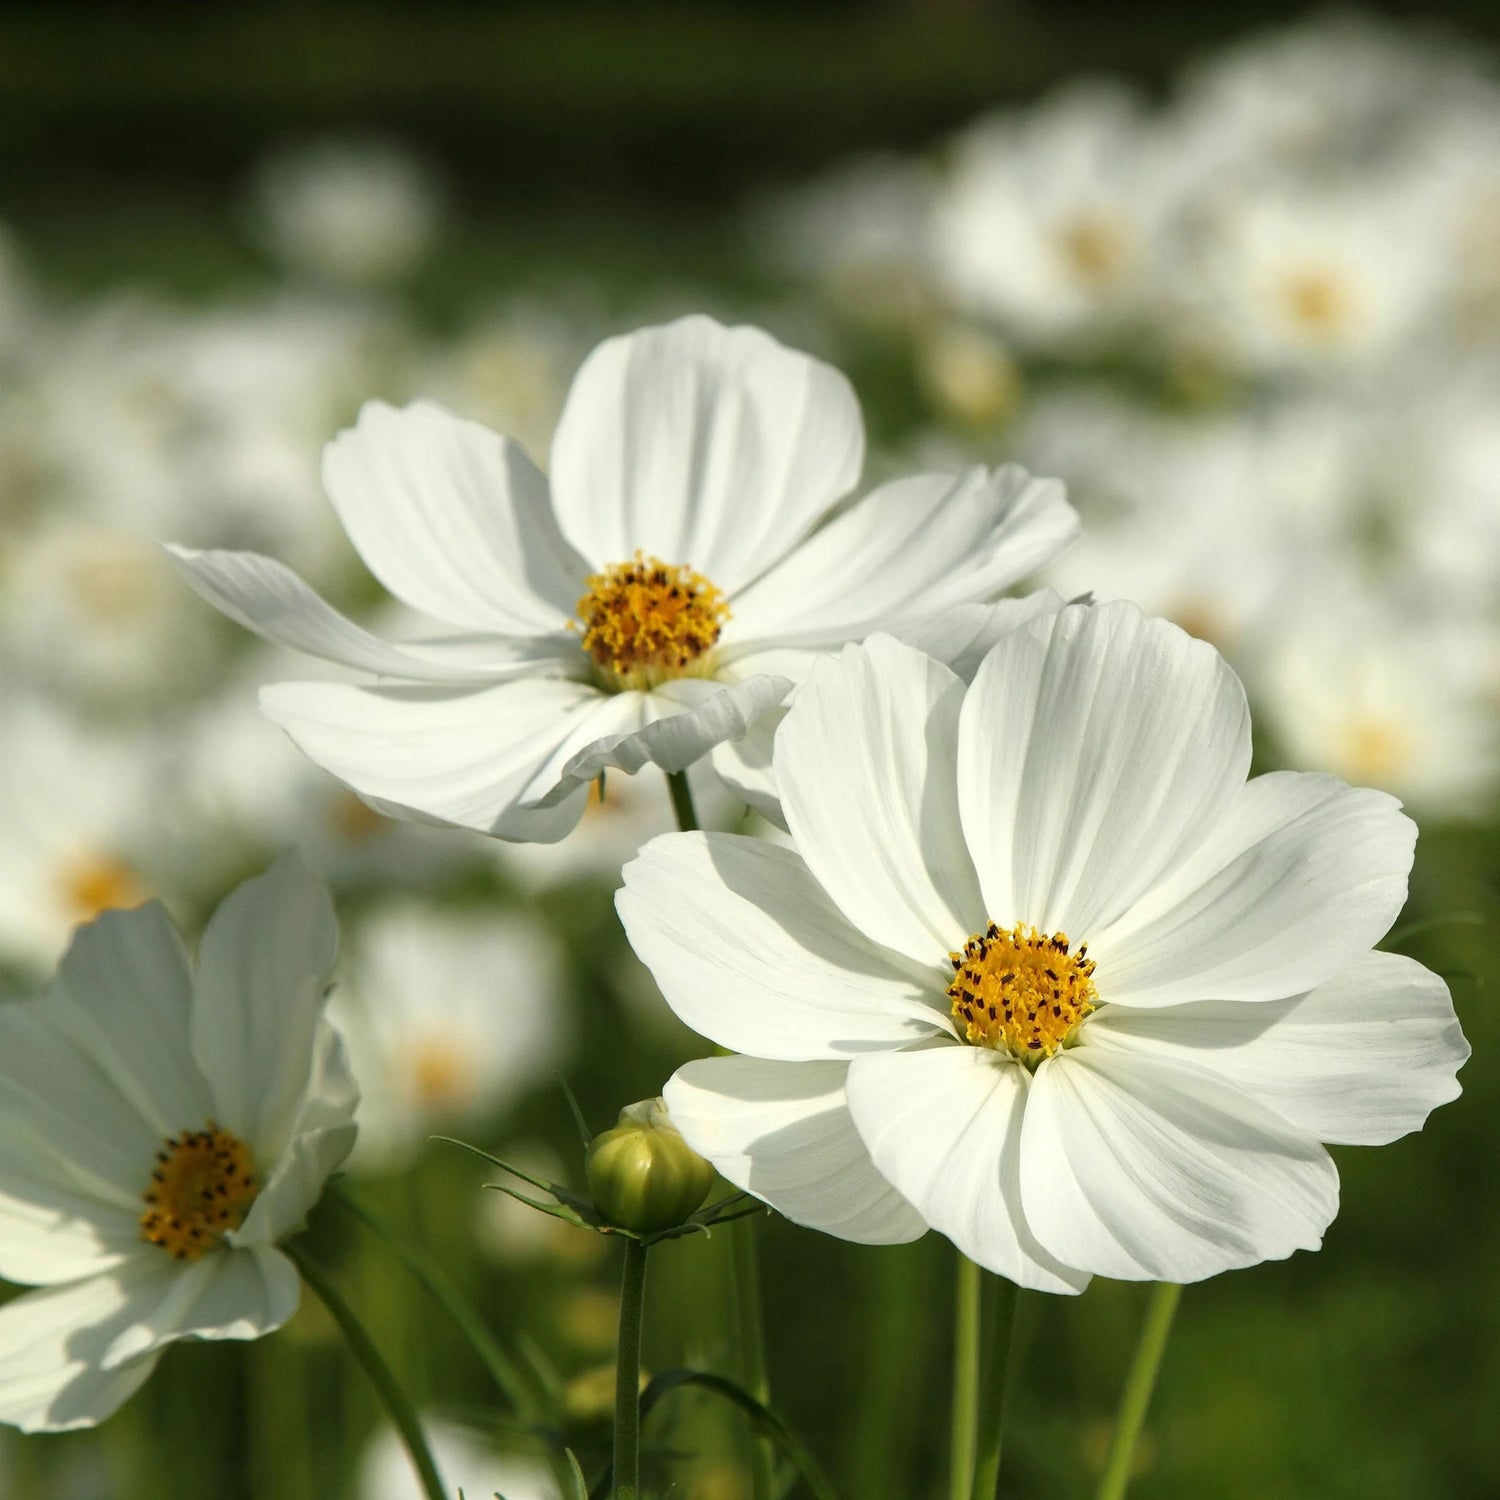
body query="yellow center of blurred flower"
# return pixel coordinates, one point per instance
(201, 1188)
(1093, 250)
(1375, 752)
(1021, 991)
(646, 622)
(93, 883)
(1317, 301)
(441, 1074)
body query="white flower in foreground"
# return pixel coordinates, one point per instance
(162, 1126)
(639, 607)
(1044, 971)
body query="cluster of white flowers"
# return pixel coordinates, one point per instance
(1031, 960)
(1292, 261)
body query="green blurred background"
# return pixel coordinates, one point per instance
(604, 153)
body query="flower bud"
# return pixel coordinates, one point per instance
(643, 1175)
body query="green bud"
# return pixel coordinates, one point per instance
(643, 1175)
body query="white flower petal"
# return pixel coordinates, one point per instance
(864, 763)
(782, 1131)
(51, 1376)
(1361, 1060)
(745, 766)
(908, 552)
(710, 447)
(944, 1125)
(1096, 747)
(683, 721)
(454, 519)
(226, 1294)
(1300, 877)
(62, 1102)
(1141, 1169)
(127, 973)
(263, 972)
(751, 953)
(321, 1136)
(961, 638)
(269, 598)
(445, 756)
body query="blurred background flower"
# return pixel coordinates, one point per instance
(1234, 274)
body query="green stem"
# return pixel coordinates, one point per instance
(1139, 1384)
(744, 1274)
(397, 1404)
(682, 800)
(627, 1466)
(965, 1412)
(1000, 1356)
(435, 1281)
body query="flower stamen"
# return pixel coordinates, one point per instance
(201, 1189)
(646, 622)
(1020, 991)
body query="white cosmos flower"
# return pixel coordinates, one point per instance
(471, 1464)
(632, 610)
(162, 1126)
(1044, 971)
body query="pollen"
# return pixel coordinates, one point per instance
(201, 1188)
(646, 622)
(1020, 991)
(94, 883)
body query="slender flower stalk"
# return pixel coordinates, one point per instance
(966, 1357)
(1139, 1384)
(682, 801)
(398, 1404)
(627, 1468)
(1000, 1307)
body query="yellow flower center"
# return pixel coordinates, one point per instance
(201, 1189)
(1093, 250)
(441, 1074)
(1021, 991)
(646, 622)
(1317, 301)
(93, 883)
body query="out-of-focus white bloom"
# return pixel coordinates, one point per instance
(1055, 221)
(508, 370)
(1386, 692)
(449, 1017)
(860, 232)
(361, 211)
(77, 831)
(641, 607)
(1044, 970)
(91, 612)
(1205, 519)
(1332, 91)
(468, 1463)
(969, 375)
(1333, 276)
(162, 1127)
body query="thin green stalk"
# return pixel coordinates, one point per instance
(999, 1358)
(1139, 1383)
(682, 801)
(744, 1273)
(397, 1404)
(628, 1374)
(435, 1281)
(965, 1410)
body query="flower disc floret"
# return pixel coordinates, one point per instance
(201, 1189)
(647, 621)
(1021, 991)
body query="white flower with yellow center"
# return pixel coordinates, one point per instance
(162, 1126)
(1043, 970)
(633, 610)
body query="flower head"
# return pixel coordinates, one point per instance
(663, 590)
(162, 1126)
(1043, 970)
